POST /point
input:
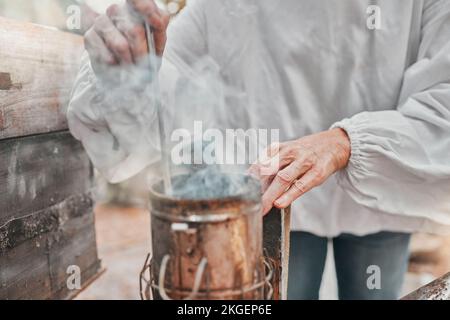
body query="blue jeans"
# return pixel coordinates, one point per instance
(353, 255)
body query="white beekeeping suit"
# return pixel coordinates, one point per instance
(303, 66)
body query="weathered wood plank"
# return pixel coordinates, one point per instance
(438, 289)
(39, 171)
(24, 271)
(74, 244)
(54, 218)
(276, 229)
(37, 68)
(36, 268)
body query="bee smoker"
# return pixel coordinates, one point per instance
(206, 249)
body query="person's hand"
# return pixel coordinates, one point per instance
(118, 37)
(295, 167)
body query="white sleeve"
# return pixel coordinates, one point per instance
(400, 159)
(118, 133)
(118, 126)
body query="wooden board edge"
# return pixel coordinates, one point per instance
(285, 251)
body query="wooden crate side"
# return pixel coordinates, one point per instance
(276, 230)
(46, 216)
(24, 271)
(73, 245)
(38, 66)
(37, 172)
(36, 268)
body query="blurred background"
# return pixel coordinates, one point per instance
(122, 221)
(54, 13)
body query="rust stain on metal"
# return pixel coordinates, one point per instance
(225, 233)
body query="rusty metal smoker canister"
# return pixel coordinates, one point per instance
(207, 249)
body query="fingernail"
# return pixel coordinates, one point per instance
(280, 202)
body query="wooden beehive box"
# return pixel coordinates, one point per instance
(276, 230)
(46, 209)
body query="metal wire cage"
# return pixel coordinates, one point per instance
(151, 286)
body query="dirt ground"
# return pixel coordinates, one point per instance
(123, 240)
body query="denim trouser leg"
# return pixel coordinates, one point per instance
(360, 259)
(357, 259)
(306, 262)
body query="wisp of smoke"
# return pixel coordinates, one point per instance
(201, 92)
(213, 183)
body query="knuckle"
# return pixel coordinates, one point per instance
(121, 46)
(284, 177)
(309, 162)
(112, 10)
(136, 32)
(268, 170)
(100, 24)
(294, 153)
(300, 186)
(299, 155)
(297, 165)
(309, 157)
